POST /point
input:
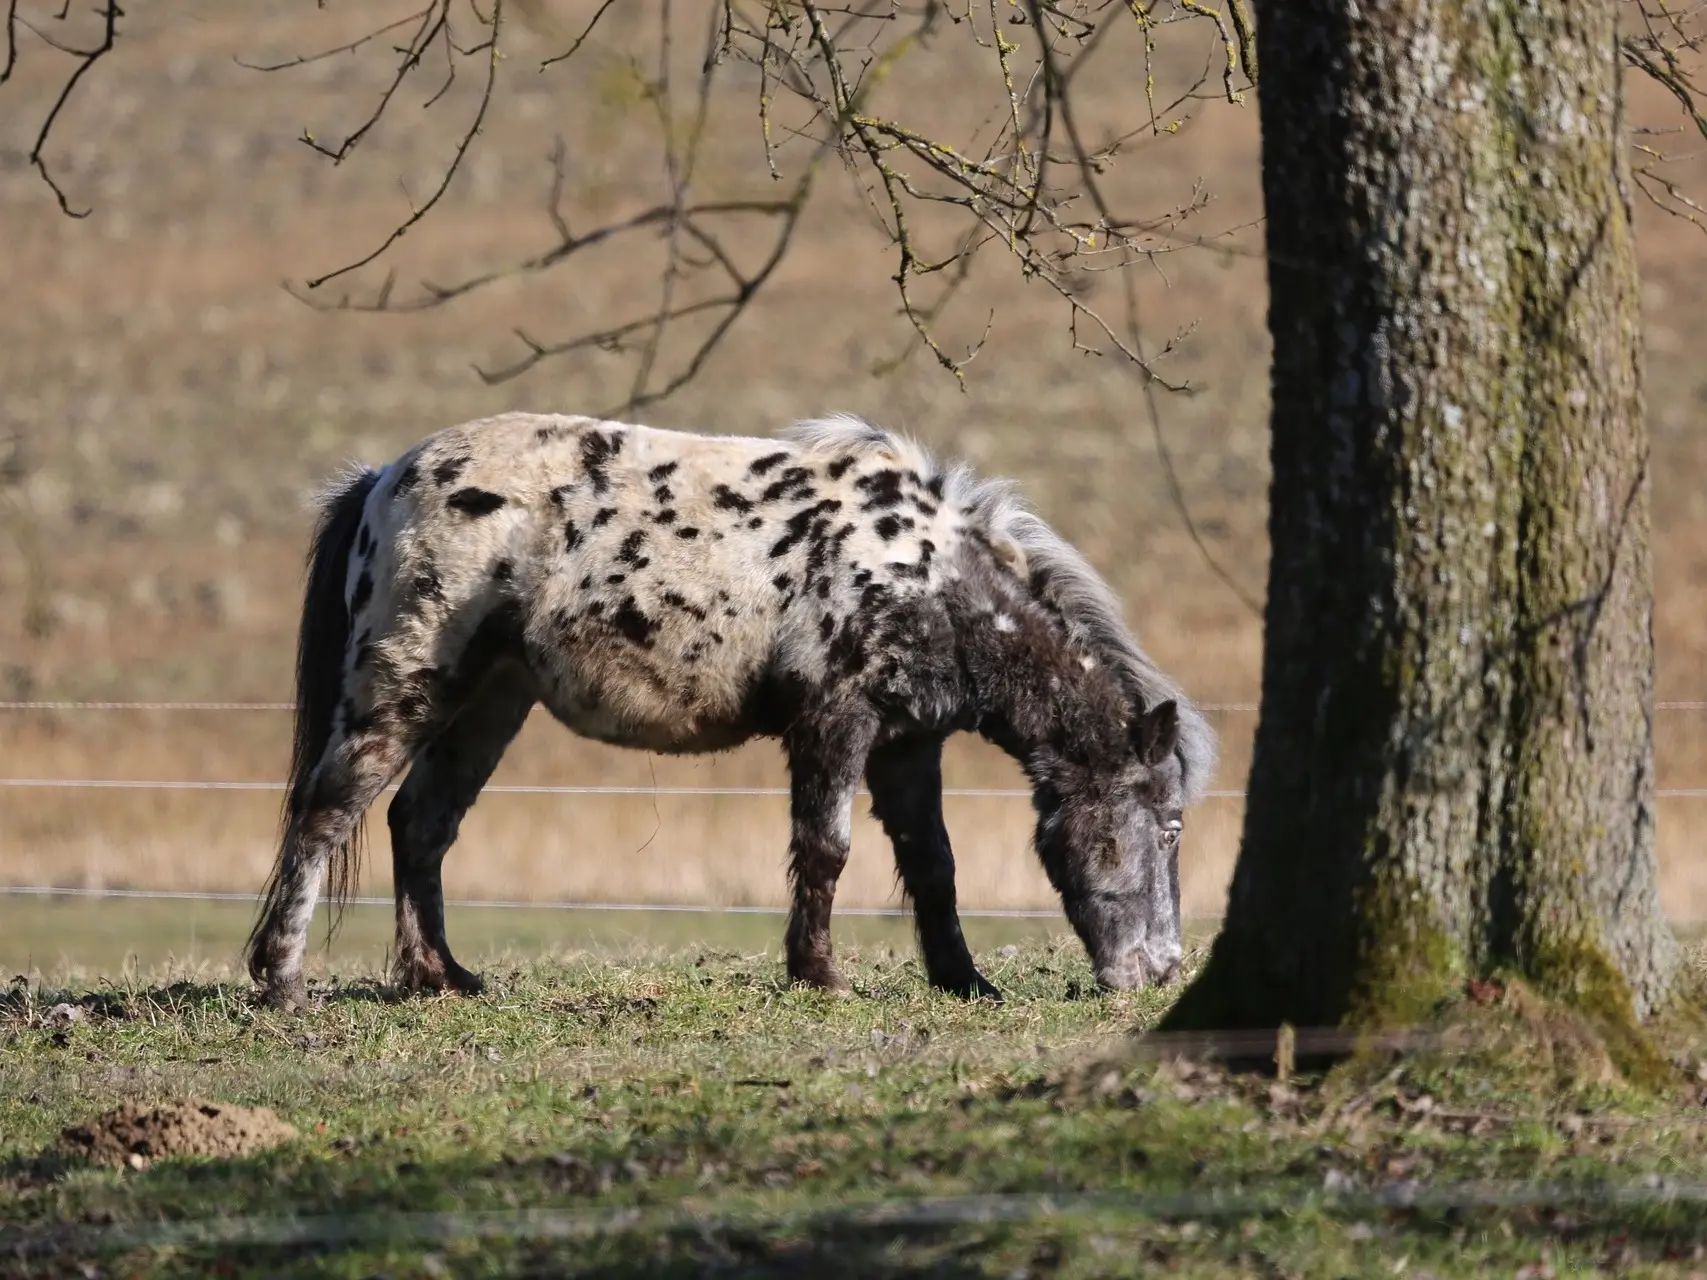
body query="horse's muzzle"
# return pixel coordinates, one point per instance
(1141, 966)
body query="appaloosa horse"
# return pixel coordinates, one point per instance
(836, 588)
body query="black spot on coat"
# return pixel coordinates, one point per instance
(801, 523)
(882, 489)
(597, 450)
(726, 499)
(448, 470)
(678, 601)
(796, 482)
(475, 502)
(634, 625)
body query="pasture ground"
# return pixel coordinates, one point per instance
(683, 1113)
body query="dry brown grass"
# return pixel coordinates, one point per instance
(177, 405)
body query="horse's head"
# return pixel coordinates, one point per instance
(1109, 837)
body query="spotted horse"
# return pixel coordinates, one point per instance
(836, 588)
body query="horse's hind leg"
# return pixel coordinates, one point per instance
(442, 785)
(824, 762)
(358, 763)
(905, 778)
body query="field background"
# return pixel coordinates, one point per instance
(175, 406)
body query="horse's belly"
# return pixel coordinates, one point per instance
(629, 709)
(679, 737)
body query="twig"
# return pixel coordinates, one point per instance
(489, 47)
(111, 13)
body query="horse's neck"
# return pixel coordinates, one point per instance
(1040, 699)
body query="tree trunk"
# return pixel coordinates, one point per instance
(1454, 765)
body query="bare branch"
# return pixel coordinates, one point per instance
(302, 60)
(581, 39)
(11, 41)
(437, 26)
(86, 59)
(1658, 51)
(432, 23)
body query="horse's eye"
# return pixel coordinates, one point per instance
(1171, 831)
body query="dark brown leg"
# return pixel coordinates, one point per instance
(906, 797)
(824, 762)
(442, 786)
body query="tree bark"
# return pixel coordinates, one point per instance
(1454, 765)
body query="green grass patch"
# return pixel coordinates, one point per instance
(682, 1112)
(88, 939)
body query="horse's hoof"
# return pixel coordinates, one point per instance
(829, 982)
(286, 997)
(430, 976)
(464, 983)
(973, 987)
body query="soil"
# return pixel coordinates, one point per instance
(136, 1134)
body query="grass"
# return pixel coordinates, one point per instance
(683, 1113)
(82, 938)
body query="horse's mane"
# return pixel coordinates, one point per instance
(1058, 575)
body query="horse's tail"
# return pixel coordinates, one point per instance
(323, 636)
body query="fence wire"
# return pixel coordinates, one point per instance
(1219, 708)
(193, 784)
(512, 904)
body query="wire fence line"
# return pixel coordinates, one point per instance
(651, 791)
(516, 904)
(544, 789)
(66, 705)
(72, 705)
(541, 789)
(191, 784)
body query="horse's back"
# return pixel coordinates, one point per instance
(671, 590)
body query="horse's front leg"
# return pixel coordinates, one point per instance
(825, 763)
(906, 797)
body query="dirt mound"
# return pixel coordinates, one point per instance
(134, 1134)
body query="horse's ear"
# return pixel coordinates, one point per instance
(1155, 733)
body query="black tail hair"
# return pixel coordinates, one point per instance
(322, 638)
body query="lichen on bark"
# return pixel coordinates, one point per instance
(1453, 769)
